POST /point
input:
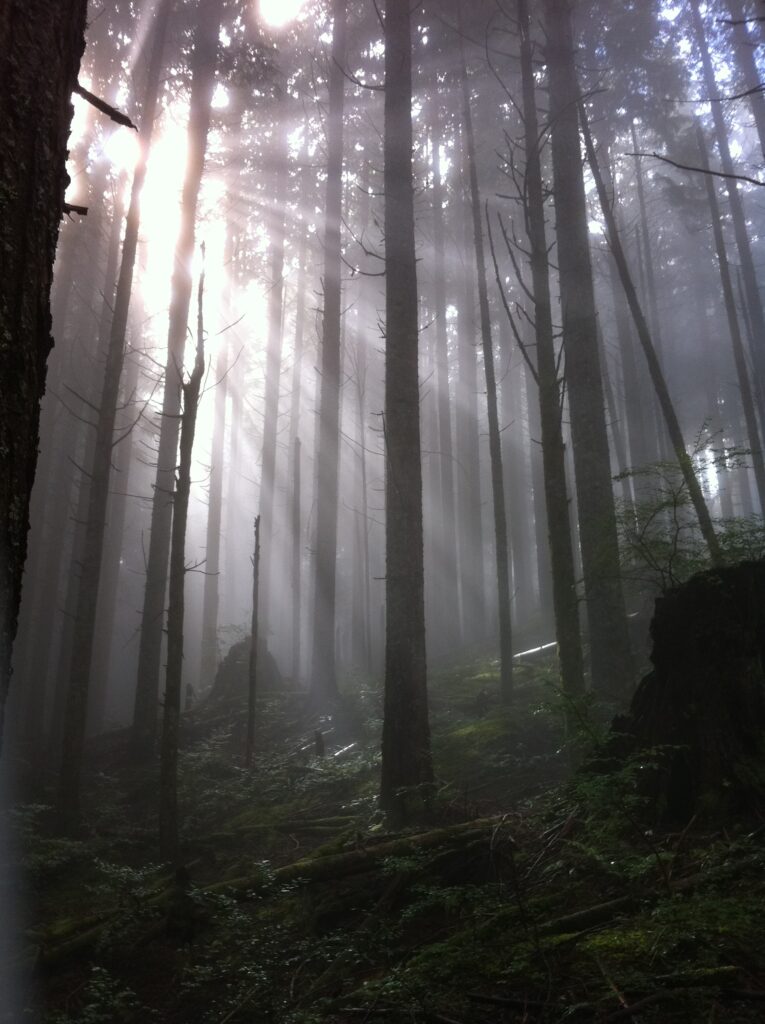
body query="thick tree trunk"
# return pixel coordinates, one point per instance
(41, 43)
(204, 61)
(495, 438)
(168, 784)
(406, 761)
(324, 677)
(611, 658)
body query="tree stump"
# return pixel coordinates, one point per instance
(704, 701)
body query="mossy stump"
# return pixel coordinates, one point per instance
(703, 705)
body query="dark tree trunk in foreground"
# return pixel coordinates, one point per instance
(41, 43)
(168, 786)
(99, 477)
(204, 60)
(565, 598)
(609, 640)
(324, 678)
(709, 732)
(684, 461)
(495, 438)
(406, 761)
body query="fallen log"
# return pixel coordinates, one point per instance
(584, 919)
(309, 869)
(357, 861)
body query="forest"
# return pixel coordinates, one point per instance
(382, 483)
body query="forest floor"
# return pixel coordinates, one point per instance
(525, 897)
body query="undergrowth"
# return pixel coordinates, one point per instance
(554, 896)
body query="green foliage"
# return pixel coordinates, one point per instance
(105, 1000)
(43, 856)
(660, 539)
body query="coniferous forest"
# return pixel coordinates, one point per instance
(382, 483)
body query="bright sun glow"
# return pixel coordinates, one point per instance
(279, 12)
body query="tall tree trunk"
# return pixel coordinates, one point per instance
(324, 672)
(644, 335)
(565, 599)
(406, 761)
(609, 639)
(41, 43)
(204, 61)
(296, 401)
(168, 784)
(517, 481)
(740, 230)
(447, 602)
(495, 438)
(211, 594)
(737, 342)
(469, 515)
(277, 229)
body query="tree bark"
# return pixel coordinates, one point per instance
(406, 760)
(41, 43)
